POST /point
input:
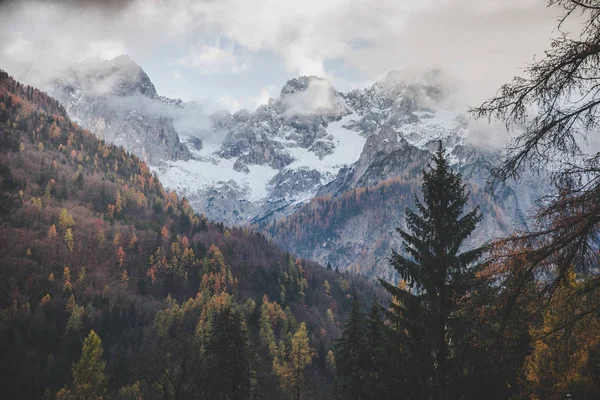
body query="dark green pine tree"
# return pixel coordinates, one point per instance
(437, 273)
(228, 357)
(376, 359)
(350, 356)
(497, 341)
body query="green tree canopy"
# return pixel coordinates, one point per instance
(89, 382)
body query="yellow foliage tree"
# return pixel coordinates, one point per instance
(327, 287)
(560, 360)
(67, 279)
(54, 131)
(52, 231)
(133, 241)
(45, 300)
(116, 239)
(101, 236)
(89, 381)
(65, 220)
(290, 367)
(70, 304)
(118, 204)
(69, 239)
(124, 276)
(120, 256)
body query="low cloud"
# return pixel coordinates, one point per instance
(317, 98)
(99, 5)
(214, 59)
(485, 42)
(478, 44)
(121, 89)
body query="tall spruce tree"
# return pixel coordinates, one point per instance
(228, 356)
(350, 351)
(436, 274)
(376, 360)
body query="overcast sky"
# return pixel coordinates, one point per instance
(237, 53)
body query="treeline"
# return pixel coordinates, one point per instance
(112, 287)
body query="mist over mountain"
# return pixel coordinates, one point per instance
(116, 100)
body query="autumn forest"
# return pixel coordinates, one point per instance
(112, 287)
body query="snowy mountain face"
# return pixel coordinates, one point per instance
(117, 101)
(267, 162)
(312, 140)
(265, 167)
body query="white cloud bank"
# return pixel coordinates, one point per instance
(481, 43)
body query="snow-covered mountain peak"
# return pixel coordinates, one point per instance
(284, 152)
(427, 90)
(310, 96)
(120, 76)
(415, 107)
(117, 100)
(301, 84)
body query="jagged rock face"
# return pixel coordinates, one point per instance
(288, 181)
(117, 101)
(277, 157)
(297, 119)
(384, 156)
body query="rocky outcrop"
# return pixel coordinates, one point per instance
(117, 101)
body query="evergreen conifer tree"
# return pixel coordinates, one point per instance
(228, 356)
(375, 348)
(351, 355)
(436, 274)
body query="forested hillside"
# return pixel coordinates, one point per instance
(112, 287)
(356, 229)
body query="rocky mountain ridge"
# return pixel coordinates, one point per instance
(289, 150)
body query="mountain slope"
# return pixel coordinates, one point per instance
(356, 230)
(91, 240)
